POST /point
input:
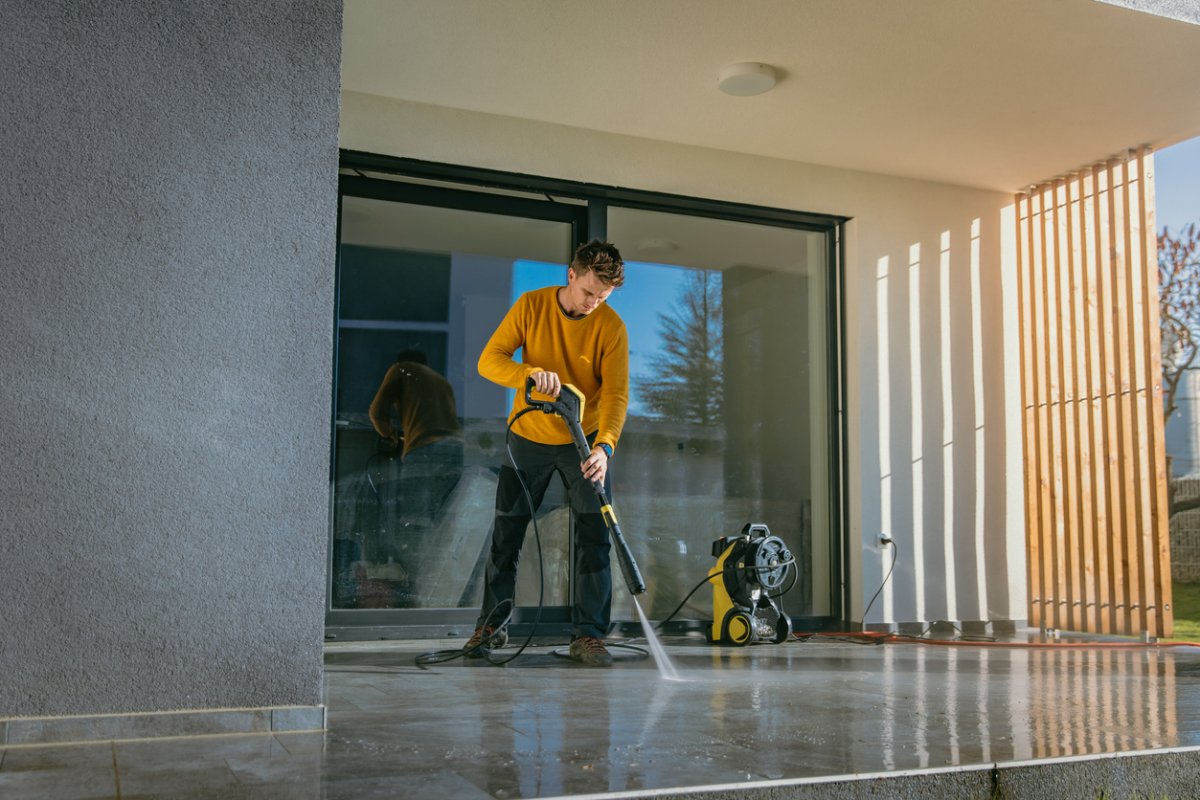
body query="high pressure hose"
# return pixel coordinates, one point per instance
(569, 406)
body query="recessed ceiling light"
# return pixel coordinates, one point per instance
(746, 78)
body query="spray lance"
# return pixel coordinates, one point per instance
(569, 406)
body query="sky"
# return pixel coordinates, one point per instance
(1177, 203)
(1177, 185)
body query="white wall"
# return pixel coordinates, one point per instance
(933, 404)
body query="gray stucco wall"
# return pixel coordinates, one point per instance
(167, 242)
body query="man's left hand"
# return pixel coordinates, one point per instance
(595, 467)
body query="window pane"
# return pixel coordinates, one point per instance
(729, 419)
(412, 518)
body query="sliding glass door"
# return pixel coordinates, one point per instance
(734, 392)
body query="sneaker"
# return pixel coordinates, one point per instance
(590, 651)
(484, 641)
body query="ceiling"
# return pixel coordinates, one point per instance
(995, 94)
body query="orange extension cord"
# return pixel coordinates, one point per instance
(875, 637)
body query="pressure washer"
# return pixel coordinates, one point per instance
(750, 567)
(569, 405)
(748, 577)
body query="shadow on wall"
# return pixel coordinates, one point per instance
(934, 396)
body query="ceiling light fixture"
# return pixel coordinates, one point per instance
(746, 78)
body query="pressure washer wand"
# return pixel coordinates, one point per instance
(569, 406)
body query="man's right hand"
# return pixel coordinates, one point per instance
(547, 383)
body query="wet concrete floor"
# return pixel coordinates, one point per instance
(742, 718)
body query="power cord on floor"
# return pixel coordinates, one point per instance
(880, 637)
(721, 574)
(442, 656)
(887, 540)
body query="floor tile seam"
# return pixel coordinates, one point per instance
(819, 780)
(283, 742)
(160, 713)
(144, 739)
(116, 772)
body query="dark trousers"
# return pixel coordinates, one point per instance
(592, 601)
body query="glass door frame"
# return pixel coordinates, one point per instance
(465, 188)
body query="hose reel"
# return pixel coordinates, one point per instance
(750, 572)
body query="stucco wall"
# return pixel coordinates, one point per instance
(934, 460)
(167, 237)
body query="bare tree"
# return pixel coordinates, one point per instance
(686, 382)
(1179, 318)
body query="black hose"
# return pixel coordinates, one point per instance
(442, 656)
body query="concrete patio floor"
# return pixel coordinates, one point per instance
(825, 717)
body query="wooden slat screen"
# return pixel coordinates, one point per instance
(1097, 539)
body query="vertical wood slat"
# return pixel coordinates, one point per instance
(1112, 467)
(1028, 403)
(1055, 537)
(1095, 394)
(1160, 517)
(1046, 405)
(1085, 601)
(1142, 546)
(1130, 619)
(1068, 412)
(1091, 390)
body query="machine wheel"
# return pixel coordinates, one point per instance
(739, 628)
(783, 628)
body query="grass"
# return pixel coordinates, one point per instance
(1186, 602)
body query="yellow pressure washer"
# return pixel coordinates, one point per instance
(749, 568)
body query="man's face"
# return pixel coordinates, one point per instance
(584, 293)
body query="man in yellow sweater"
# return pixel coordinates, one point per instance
(567, 335)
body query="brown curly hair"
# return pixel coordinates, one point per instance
(602, 258)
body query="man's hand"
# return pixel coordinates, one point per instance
(547, 383)
(596, 465)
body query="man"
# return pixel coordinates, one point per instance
(567, 335)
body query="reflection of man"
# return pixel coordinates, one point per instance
(422, 400)
(567, 335)
(432, 454)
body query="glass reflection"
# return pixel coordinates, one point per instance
(414, 413)
(728, 418)
(792, 711)
(418, 432)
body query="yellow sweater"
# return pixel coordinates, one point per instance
(591, 354)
